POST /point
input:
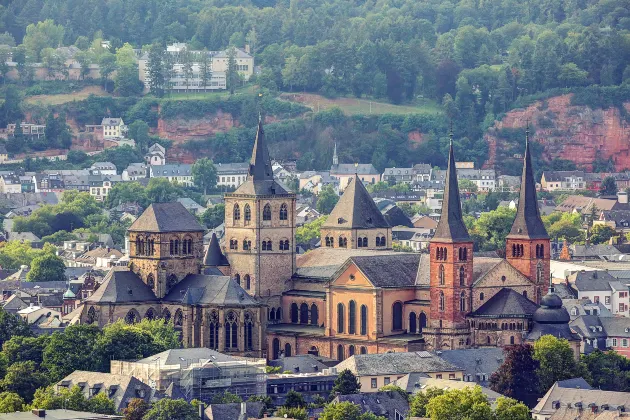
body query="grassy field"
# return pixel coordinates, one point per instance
(206, 95)
(352, 106)
(66, 97)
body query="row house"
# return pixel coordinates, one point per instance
(398, 175)
(100, 185)
(603, 333)
(602, 287)
(484, 179)
(594, 180)
(180, 173)
(231, 175)
(563, 180)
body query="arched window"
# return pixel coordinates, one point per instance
(138, 246)
(150, 281)
(272, 314)
(462, 276)
(178, 319)
(247, 245)
(397, 323)
(362, 242)
(514, 250)
(214, 330)
(488, 340)
(423, 321)
(350, 350)
(330, 241)
(233, 244)
(236, 213)
(150, 314)
(343, 242)
(364, 316)
(249, 333)
(363, 350)
(340, 319)
(539, 272)
(352, 317)
(287, 350)
(91, 316)
(412, 322)
(284, 212)
(524, 293)
(166, 315)
(304, 313)
(314, 315)
(231, 330)
(462, 302)
(132, 317)
(275, 348)
(171, 281)
(442, 275)
(314, 351)
(294, 313)
(445, 256)
(512, 340)
(481, 296)
(441, 303)
(237, 278)
(542, 251)
(279, 314)
(340, 353)
(247, 213)
(248, 281)
(381, 241)
(267, 212)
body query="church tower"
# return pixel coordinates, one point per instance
(335, 158)
(260, 229)
(527, 244)
(451, 276)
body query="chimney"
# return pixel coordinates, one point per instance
(247, 48)
(39, 412)
(202, 407)
(622, 197)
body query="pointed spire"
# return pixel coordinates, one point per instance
(214, 257)
(528, 223)
(451, 227)
(335, 157)
(260, 165)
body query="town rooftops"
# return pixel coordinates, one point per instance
(388, 404)
(121, 285)
(351, 169)
(166, 217)
(322, 263)
(239, 54)
(175, 169)
(243, 410)
(506, 303)
(592, 281)
(584, 399)
(559, 176)
(198, 289)
(174, 357)
(232, 168)
(111, 121)
(478, 364)
(396, 363)
(58, 414)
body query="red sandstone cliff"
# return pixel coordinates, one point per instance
(575, 133)
(182, 130)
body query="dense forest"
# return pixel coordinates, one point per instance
(478, 59)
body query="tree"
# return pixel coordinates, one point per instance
(419, 401)
(168, 409)
(10, 402)
(214, 216)
(232, 76)
(609, 370)
(51, 398)
(161, 190)
(24, 378)
(297, 413)
(294, 400)
(556, 362)
(467, 185)
(346, 411)
(601, 234)
(23, 65)
(47, 267)
(571, 75)
(164, 335)
(205, 69)
(492, 228)
(126, 82)
(609, 186)
(139, 132)
(467, 403)
(11, 325)
(346, 383)
(101, 404)
(511, 409)
(22, 348)
(516, 377)
(157, 73)
(107, 65)
(204, 174)
(71, 350)
(327, 199)
(136, 409)
(42, 35)
(11, 108)
(226, 398)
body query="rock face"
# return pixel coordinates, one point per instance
(180, 130)
(576, 133)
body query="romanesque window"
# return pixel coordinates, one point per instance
(352, 317)
(248, 281)
(247, 213)
(284, 245)
(294, 313)
(132, 317)
(314, 351)
(441, 303)
(304, 313)
(175, 247)
(343, 242)
(249, 326)
(91, 315)
(187, 246)
(442, 275)
(284, 212)
(378, 241)
(330, 241)
(267, 212)
(233, 244)
(150, 247)
(340, 319)
(397, 312)
(462, 276)
(178, 319)
(422, 321)
(481, 296)
(231, 330)
(412, 322)
(364, 316)
(267, 246)
(287, 350)
(214, 330)
(362, 242)
(462, 302)
(350, 350)
(237, 278)
(272, 314)
(539, 272)
(140, 246)
(150, 281)
(236, 212)
(540, 251)
(150, 314)
(314, 315)
(171, 281)
(524, 293)
(340, 353)
(364, 350)
(463, 254)
(247, 245)
(275, 348)
(166, 315)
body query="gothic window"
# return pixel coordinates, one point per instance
(231, 331)
(314, 351)
(214, 330)
(237, 212)
(340, 319)
(463, 254)
(363, 350)
(237, 278)
(267, 212)
(340, 353)
(442, 275)
(91, 316)
(132, 317)
(248, 281)
(150, 281)
(294, 313)
(233, 244)
(350, 350)
(138, 246)
(422, 321)
(249, 324)
(462, 276)
(141, 247)
(171, 281)
(441, 303)
(438, 253)
(287, 350)
(303, 313)
(364, 316)
(189, 246)
(178, 319)
(272, 314)
(397, 311)
(539, 272)
(185, 247)
(462, 302)
(284, 212)
(412, 322)
(343, 242)
(314, 315)
(150, 314)
(279, 314)
(176, 247)
(166, 315)
(378, 241)
(247, 213)
(352, 317)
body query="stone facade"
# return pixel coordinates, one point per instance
(531, 262)
(332, 238)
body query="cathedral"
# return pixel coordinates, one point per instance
(354, 294)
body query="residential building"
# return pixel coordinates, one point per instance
(484, 179)
(601, 287)
(29, 130)
(414, 383)
(242, 410)
(4, 155)
(244, 62)
(10, 184)
(113, 128)
(616, 219)
(33, 314)
(103, 168)
(345, 172)
(309, 384)
(180, 173)
(135, 172)
(100, 185)
(586, 205)
(594, 180)
(314, 181)
(156, 155)
(422, 172)
(415, 238)
(191, 205)
(563, 180)
(57, 414)
(388, 404)
(478, 364)
(398, 175)
(231, 175)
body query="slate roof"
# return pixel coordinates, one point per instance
(322, 263)
(527, 223)
(482, 265)
(385, 404)
(166, 217)
(593, 251)
(233, 411)
(397, 270)
(616, 326)
(190, 355)
(553, 319)
(303, 363)
(483, 360)
(592, 281)
(199, 289)
(572, 396)
(394, 216)
(121, 286)
(451, 227)
(419, 382)
(355, 210)
(396, 363)
(506, 303)
(351, 169)
(214, 256)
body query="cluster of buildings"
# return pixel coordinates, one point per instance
(581, 180)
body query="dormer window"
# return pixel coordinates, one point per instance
(340, 221)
